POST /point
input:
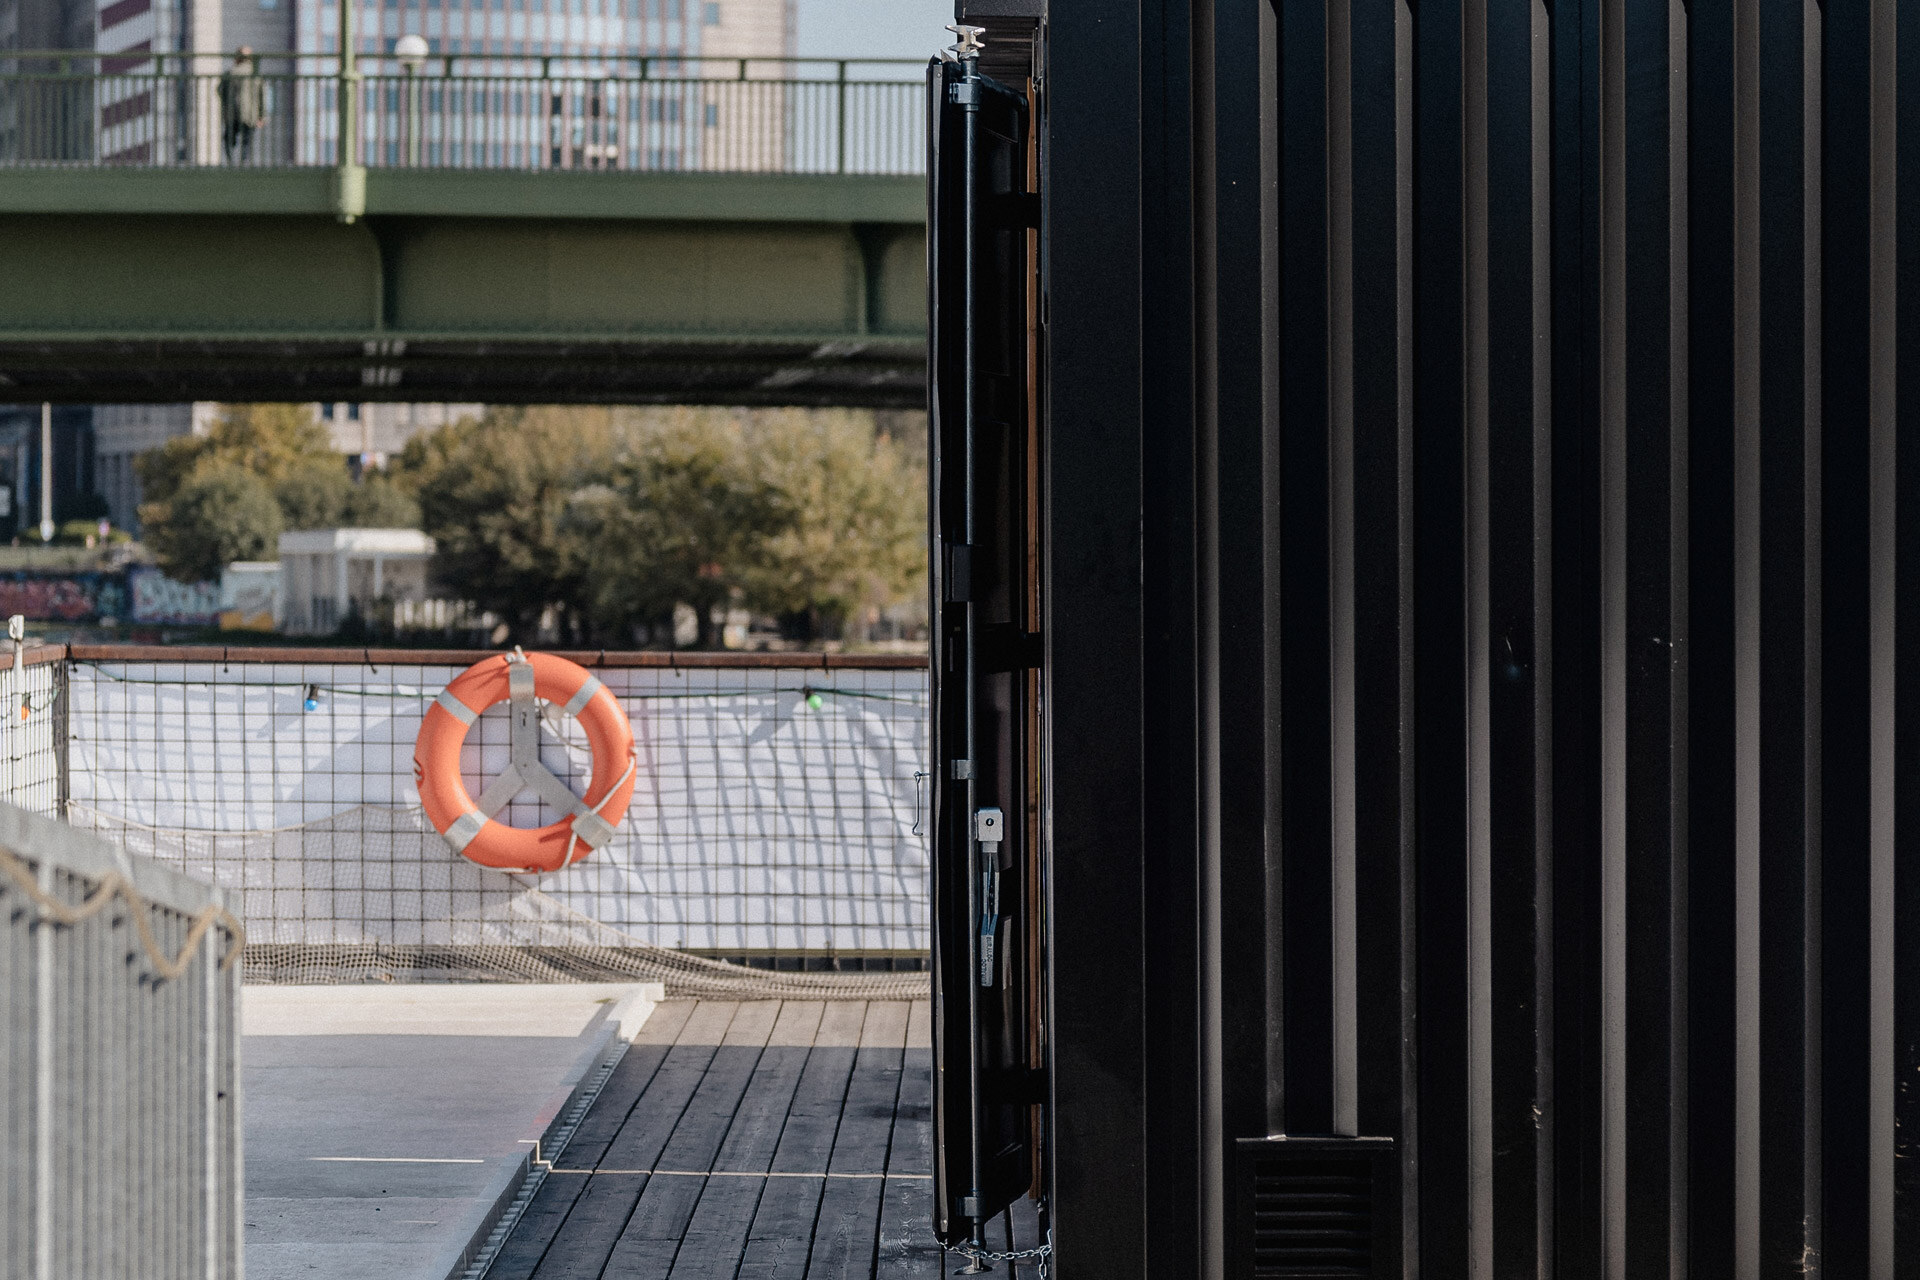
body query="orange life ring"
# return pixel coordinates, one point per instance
(468, 826)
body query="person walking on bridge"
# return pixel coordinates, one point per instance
(243, 105)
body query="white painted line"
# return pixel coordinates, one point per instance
(390, 1160)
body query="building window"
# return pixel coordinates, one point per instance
(710, 15)
(713, 114)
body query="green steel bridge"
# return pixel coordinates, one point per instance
(462, 228)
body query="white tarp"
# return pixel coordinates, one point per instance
(776, 809)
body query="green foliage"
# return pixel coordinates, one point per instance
(684, 519)
(286, 450)
(223, 512)
(499, 494)
(378, 503)
(313, 494)
(269, 440)
(854, 535)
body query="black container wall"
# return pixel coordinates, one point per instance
(1482, 624)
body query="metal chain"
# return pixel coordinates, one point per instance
(1038, 1254)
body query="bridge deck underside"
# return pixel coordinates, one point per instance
(872, 372)
(743, 289)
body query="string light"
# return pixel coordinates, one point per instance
(313, 697)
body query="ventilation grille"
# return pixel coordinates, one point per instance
(1312, 1218)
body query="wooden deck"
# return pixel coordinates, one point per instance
(762, 1140)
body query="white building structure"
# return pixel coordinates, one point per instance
(329, 575)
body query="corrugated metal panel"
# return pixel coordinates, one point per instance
(1535, 729)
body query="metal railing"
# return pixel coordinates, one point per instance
(734, 115)
(119, 1063)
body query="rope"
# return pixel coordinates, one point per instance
(573, 836)
(427, 695)
(116, 884)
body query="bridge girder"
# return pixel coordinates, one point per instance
(161, 285)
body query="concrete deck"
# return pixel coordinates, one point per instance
(387, 1126)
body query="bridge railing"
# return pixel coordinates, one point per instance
(464, 112)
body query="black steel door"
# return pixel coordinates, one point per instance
(983, 692)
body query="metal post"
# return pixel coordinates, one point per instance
(840, 115)
(62, 726)
(413, 118)
(43, 1188)
(46, 472)
(975, 1209)
(350, 177)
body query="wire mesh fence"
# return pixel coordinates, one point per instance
(777, 821)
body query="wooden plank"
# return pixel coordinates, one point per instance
(846, 1232)
(717, 1234)
(627, 1083)
(666, 1205)
(782, 1234)
(907, 1247)
(806, 1141)
(866, 1119)
(781, 1237)
(581, 1249)
(546, 1216)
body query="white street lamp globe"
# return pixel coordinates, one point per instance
(411, 51)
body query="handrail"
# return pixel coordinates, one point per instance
(327, 55)
(437, 77)
(522, 111)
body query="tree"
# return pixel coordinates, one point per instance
(854, 540)
(498, 494)
(266, 442)
(222, 513)
(313, 494)
(267, 439)
(682, 520)
(378, 503)
(289, 453)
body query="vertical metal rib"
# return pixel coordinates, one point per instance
(1478, 648)
(1746, 636)
(1340, 516)
(1613, 639)
(1410, 1179)
(1541, 135)
(1882, 501)
(1812, 400)
(1679, 462)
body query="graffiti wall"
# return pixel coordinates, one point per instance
(158, 598)
(140, 594)
(71, 597)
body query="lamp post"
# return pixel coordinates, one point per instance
(46, 472)
(350, 177)
(412, 52)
